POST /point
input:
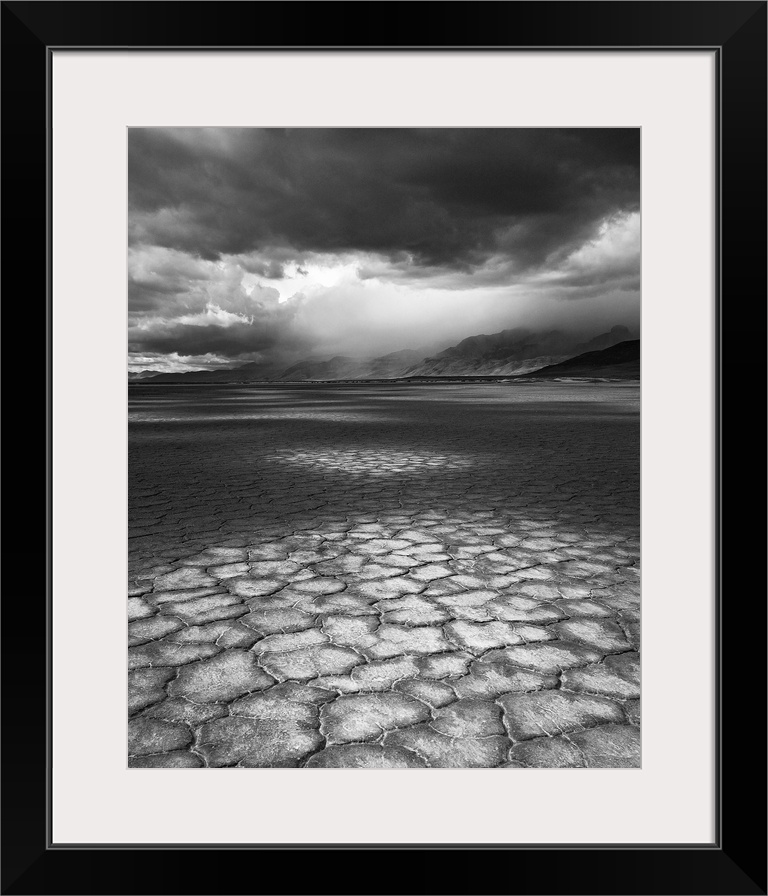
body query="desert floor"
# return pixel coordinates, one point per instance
(384, 576)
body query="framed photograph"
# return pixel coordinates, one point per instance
(375, 370)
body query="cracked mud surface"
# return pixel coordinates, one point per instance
(384, 577)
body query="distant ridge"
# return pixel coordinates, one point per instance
(509, 353)
(342, 368)
(621, 360)
(253, 372)
(512, 352)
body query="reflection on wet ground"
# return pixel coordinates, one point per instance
(384, 576)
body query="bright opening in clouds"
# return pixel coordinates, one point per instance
(273, 245)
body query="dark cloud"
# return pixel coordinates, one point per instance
(268, 244)
(446, 197)
(234, 341)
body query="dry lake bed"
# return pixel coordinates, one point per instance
(388, 576)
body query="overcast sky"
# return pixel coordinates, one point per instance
(251, 244)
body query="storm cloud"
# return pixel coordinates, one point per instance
(256, 241)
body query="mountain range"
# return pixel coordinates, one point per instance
(388, 366)
(513, 352)
(621, 360)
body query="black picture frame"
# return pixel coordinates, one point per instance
(736, 862)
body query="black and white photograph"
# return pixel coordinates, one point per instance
(384, 448)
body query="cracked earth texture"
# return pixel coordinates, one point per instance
(384, 576)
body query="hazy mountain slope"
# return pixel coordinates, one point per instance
(621, 360)
(343, 368)
(512, 352)
(337, 368)
(395, 363)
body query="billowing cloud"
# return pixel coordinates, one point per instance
(270, 243)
